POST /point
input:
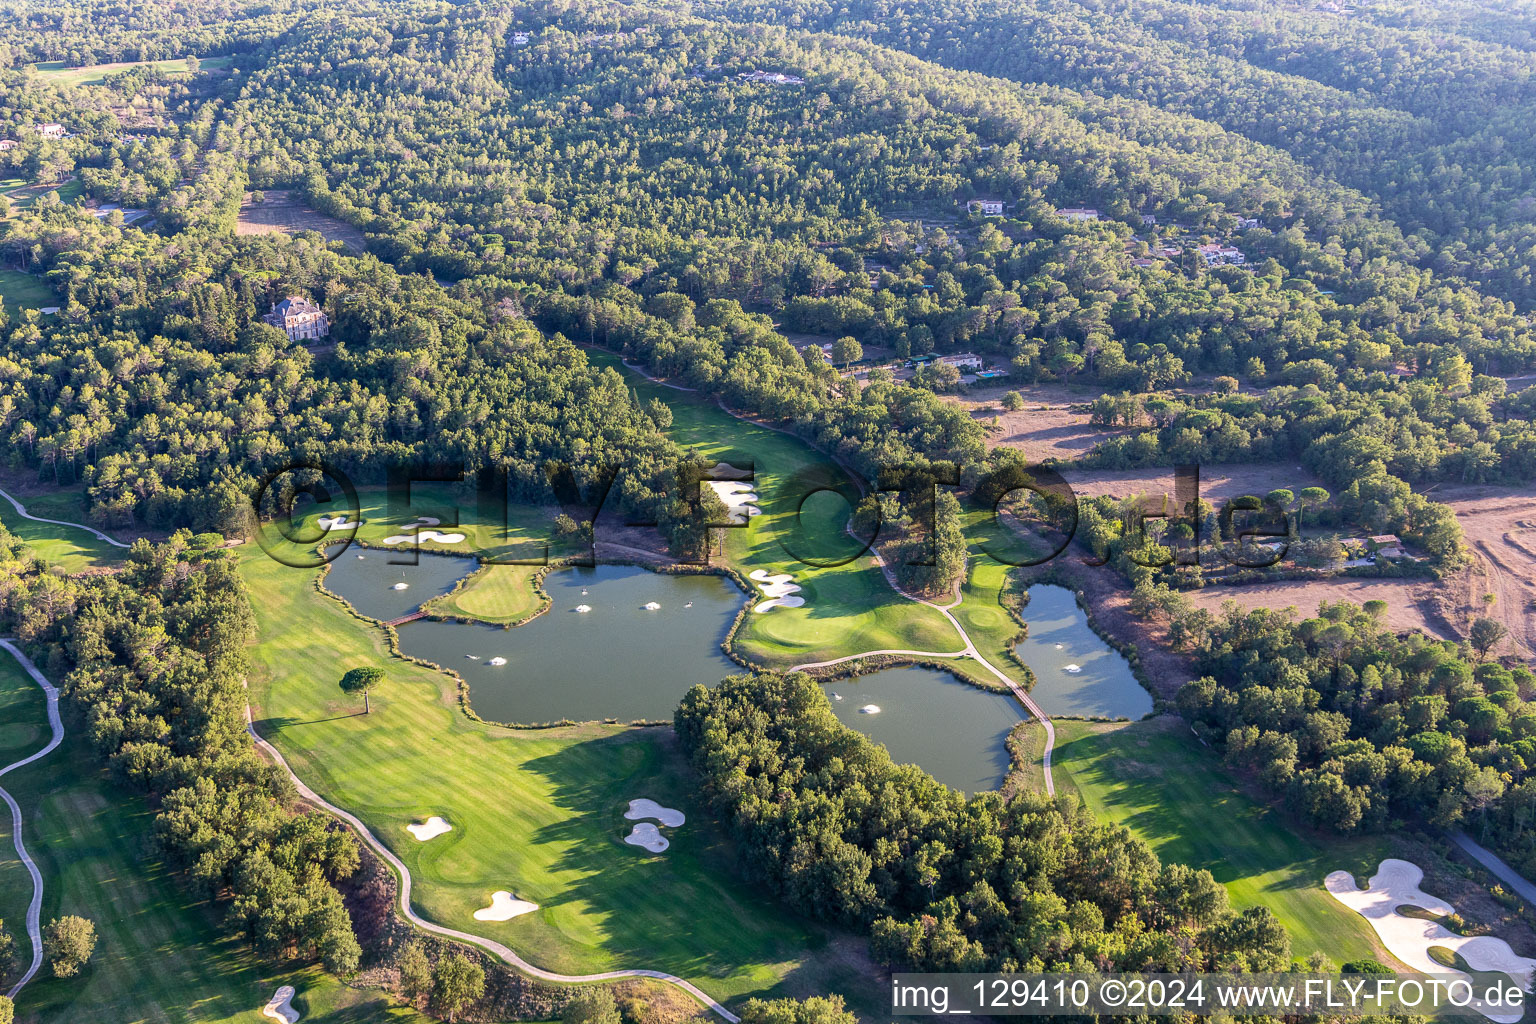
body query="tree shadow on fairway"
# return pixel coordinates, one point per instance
(1185, 804)
(685, 910)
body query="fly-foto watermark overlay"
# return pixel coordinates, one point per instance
(1488, 996)
(1253, 532)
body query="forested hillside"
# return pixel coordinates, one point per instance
(605, 173)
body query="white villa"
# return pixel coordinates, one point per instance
(50, 131)
(771, 77)
(1078, 213)
(1215, 255)
(962, 361)
(301, 319)
(988, 207)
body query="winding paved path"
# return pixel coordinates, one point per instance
(35, 908)
(489, 945)
(1495, 864)
(22, 511)
(969, 651)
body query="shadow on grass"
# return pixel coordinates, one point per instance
(687, 910)
(1179, 797)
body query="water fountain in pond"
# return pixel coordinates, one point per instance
(560, 672)
(1076, 672)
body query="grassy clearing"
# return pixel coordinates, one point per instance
(23, 195)
(161, 956)
(537, 812)
(70, 548)
(57, 72)
(1155, 778)
(848, 608)
(24, 291)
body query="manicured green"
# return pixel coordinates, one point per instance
(527, 535)
(848, 608)
(536, 812)
(58, 72)
(162, 956)
(495, 593)
(24, 291)
(68, 547)
(1155, 778)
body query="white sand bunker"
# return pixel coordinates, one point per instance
(498, 661)
(337, 522)
(583, 608)
(504, 907)
(280, 1006)
(1073, 669)
(649, 836)
(870, 709)
(425, 535)
(642, 808)
(778, 591)
(431, 829)
(1396, 884)
(738, 497)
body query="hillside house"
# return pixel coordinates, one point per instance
(1149, 220)
(6, 145)
(1078, 213)
(770, 77)
(1217, 255)
(50, 131)
(1388, 545)
(961, 361)
(299, 318)
(520, 38)
(1249, 223)
(988, 207)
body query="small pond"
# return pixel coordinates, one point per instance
(951, 730)
(1059, 638)
(366, 579)
(617, 660)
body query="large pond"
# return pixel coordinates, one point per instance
(618, 660)
(952, 730)
(1076, 672)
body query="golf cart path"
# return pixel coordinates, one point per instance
(22, 511)
(490, 945)
(35, 908)
(969, 651)
(1495, 864)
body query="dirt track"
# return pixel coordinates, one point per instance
(1500, 524)
(1500, 527)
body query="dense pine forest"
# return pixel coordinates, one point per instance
(1256, 232)
(610, 178)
